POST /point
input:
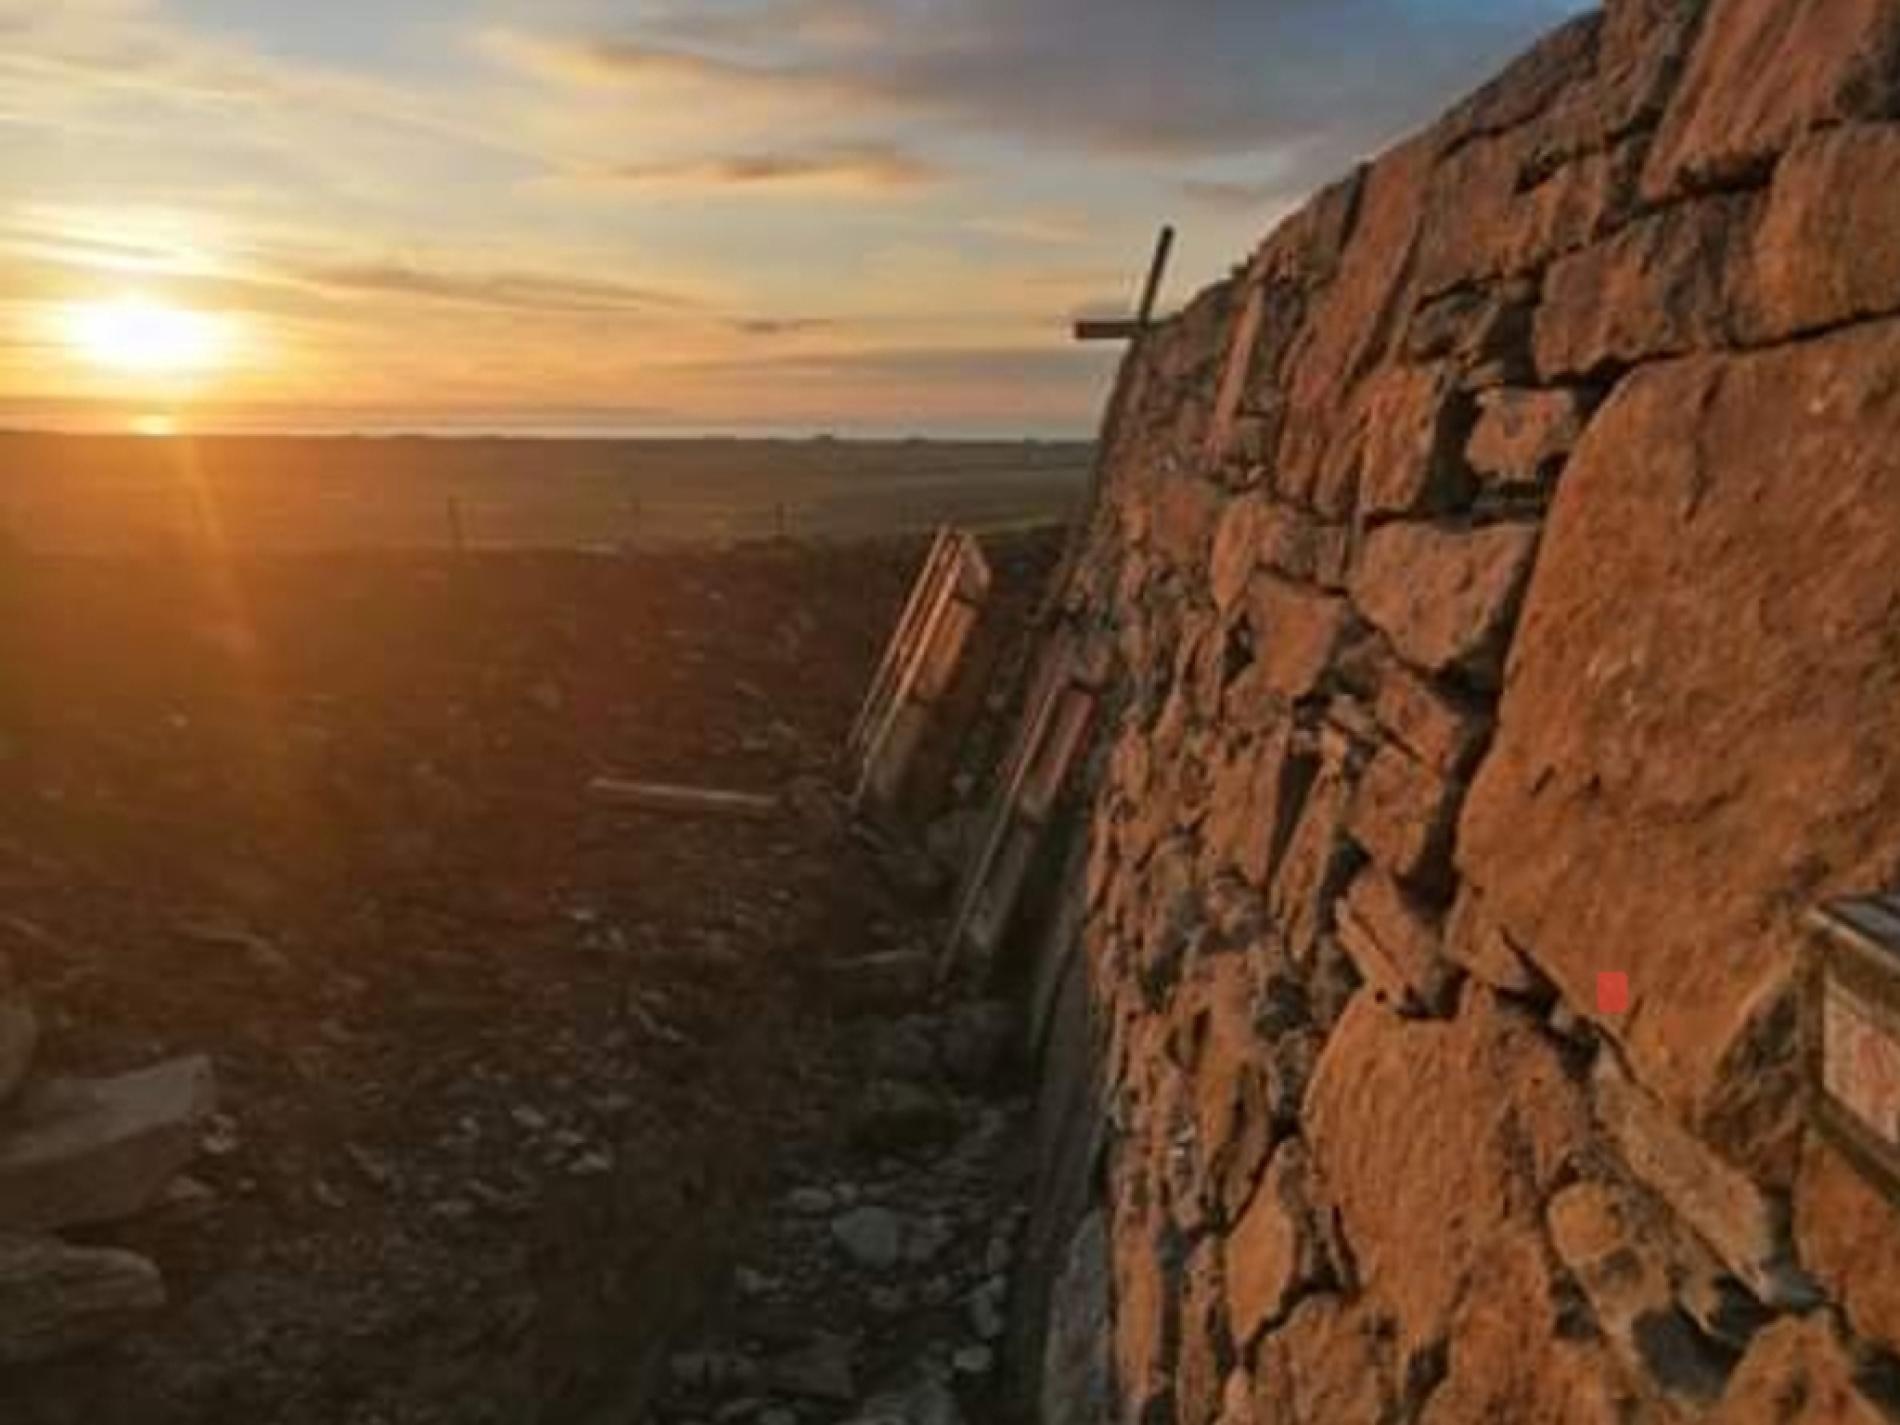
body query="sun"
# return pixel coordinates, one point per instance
(135, 334)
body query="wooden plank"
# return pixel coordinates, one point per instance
(682, 801)
(1107, 329)
(876, 703)
(1039, 712)
(927, 674)
(1049, 773)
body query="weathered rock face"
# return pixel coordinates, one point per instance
(1504, 568)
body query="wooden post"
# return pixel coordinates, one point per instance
(458, 535)
(1133, 333)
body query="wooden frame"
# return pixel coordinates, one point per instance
(922, 695)
(1850, 1034)
(1059, 718)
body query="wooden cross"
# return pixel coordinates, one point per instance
(1124, 328)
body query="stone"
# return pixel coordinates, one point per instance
(872, 1237)
(1076, 1386)
(810, 1201)
(1416, 421)
(1477, 943)
(928, 1403)
(1255, 802)
(1798, 1372)
(1726, 1210)
(1848, 1233)
(1204, 1353)
(1185, 512)
(1522, 437)
(1434, 1139)
(1577, 202)
(1510, 1355)
(1296, 630)
(1619, 1255)
(1239, 540)
(978, 1038)
(1394, 943)
(1696, 595)
(818, 1370)
(1445, 597)
(1272, 1256)
(1326, 1366)
(1147, 1309)
(1824, 253)
(1228, 1056)
(1317, 864)
(1673, 282)
(78, 1151)
(56, 1298)
(1763, 72)
(1402, 813)
(1351, 320)
(19, 1038)
(891, 1116)
(1444, 731)
(1479, 329)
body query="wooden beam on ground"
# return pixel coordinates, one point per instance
(1110, 329)
(682, 801)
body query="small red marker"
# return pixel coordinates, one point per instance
(1613, 992)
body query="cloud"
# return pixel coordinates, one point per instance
(510, 291)
(1238, 195)
(782, 326)
(838, 167)
(1122, 77)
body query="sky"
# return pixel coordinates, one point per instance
(851, 215)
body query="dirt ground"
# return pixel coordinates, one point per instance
(499, 1068)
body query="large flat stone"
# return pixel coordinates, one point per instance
(1696, 739)
(1445, 597)
(1667, 284)
(1433, 1139)
(75, 1151)
(56, 1298)
(1824, 253)
(1765, 71)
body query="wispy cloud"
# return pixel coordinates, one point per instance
(512, 291)
(870, 167)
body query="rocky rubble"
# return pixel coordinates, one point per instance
(875, 1290)
(1502, 570)
(76, 1152)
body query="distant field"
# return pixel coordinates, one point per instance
(122, 494)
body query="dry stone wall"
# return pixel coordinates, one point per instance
(1503, 571)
